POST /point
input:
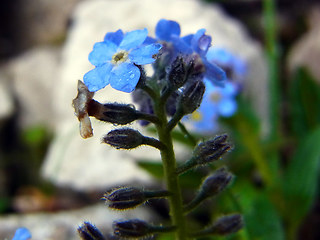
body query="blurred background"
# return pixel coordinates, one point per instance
(46, 182)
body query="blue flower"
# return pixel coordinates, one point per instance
(22, 234)
(217, 101)
(115, 60)
(190, 45)
(228, 61)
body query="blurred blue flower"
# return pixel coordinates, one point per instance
(22, 234)
(115, 60)
(235, 66)
(217, 101)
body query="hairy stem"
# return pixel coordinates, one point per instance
(169, 166)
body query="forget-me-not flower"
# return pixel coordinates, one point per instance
(190, 45)
(115, 60)
(217, 101)
(22, 234)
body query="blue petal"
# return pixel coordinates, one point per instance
(133, 39)
(149, 40)
(201, 42)
(144, 54)
(229, 90)
(219, 55)
(102, 52)
(165, 29)
(125, 77)
(181, 46)
(98, 78)
(22, 234)
(214, 73)
(188, 38)
(115, 37)
(227, 107)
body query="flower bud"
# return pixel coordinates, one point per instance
(125, 138)
(211, 150)
(191, 97)
(215, 183)
(134, 228)
(87, 231)
(177, 74)
(124, 198)
(227, 224)
(113, 112)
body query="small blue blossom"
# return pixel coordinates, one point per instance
(228, 61)
(217, 101)
(22, 234)
(115, 60)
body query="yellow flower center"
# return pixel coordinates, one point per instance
(196, 116)
(119, 57)
(215, 97)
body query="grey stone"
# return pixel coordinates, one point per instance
(87, 164)
(63, 225)
(32, 76)
(6, 98)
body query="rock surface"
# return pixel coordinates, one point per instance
(87, 164)
(63, 225)
(306, 52)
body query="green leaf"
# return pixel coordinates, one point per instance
(301, 178)
(262, 220)
(304, 103)
(155, 169)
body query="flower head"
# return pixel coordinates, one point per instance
(217, 101)
(22, 234)
(115, 60)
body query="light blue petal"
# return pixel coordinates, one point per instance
(144, 54)
(22, 234)
(115, 37)
(98, 78)
(149, 40)
(214, 73)
(181, 46)
(102, 52)
(227, 107)
(165, 29)
(220, 56)
(133, 39)
(229, 90)
(201, 42)
(125, 77)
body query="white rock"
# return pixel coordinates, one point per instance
(33, 75)
(6, 99)
(87, 164)
(63, 225)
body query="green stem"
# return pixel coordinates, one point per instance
(191, 138)
(169, 165)
(272, 58)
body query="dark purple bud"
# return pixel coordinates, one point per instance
(134, 228)
(177, 74)
(113, 112)
(227, 224)
(87, 231)
(211, 150)
(215, 183)
(124, 198)
(125, 138)
(191, 97)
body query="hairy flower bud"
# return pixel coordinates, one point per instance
(191, 97)
(125, 138)
(134, 228)
(113, 112)
(227, 224)
(87, 231)
(124, 198)
(215, 183)
(177, 73)
(211, 150)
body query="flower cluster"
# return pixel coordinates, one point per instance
(185, 77)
